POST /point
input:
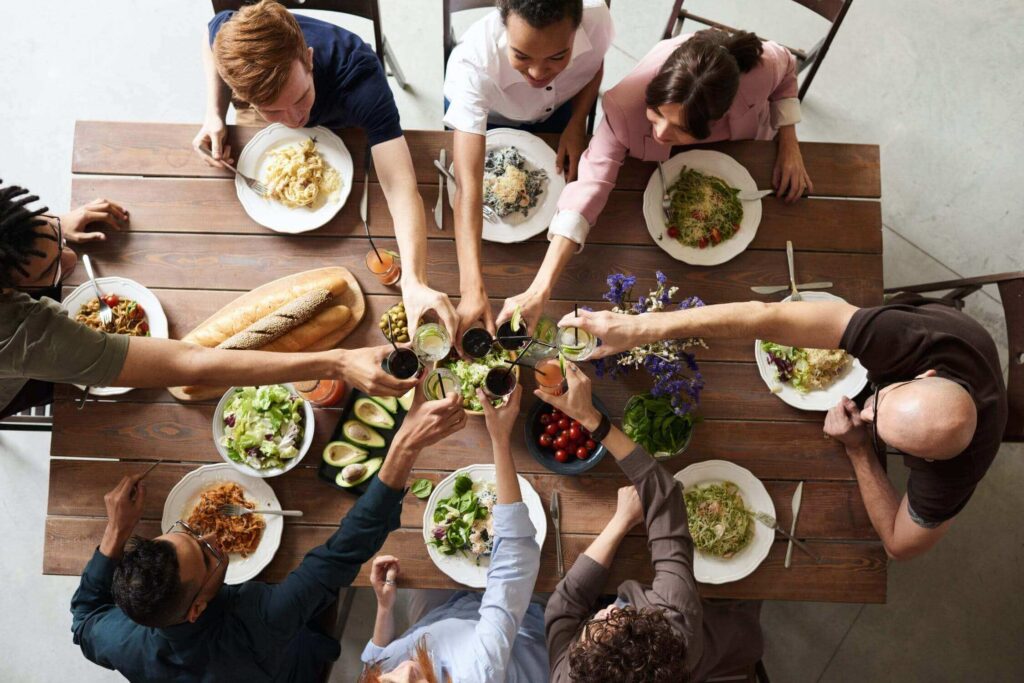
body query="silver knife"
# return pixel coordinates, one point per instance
(438, 216)
(367, 163)
(754, 196)
(775, 289)
(792, 529)
(556, 519)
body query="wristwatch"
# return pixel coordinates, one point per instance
(602, 429)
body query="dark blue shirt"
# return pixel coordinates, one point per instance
(351, 87)
(249, 632)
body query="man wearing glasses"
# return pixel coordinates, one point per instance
(938, 399)
(158, 610)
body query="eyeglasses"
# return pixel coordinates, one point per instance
(875, 441)
(58, 232)
(181, 527)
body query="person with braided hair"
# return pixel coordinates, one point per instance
(41, 345)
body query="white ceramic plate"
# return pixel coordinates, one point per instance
(185, 494)
(516, 227)
(308, 428)
(460, 568)
(125, 289)
(710, 569)
(272, 214)
(710, 163)
(850, 383)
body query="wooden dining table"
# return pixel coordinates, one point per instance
(191, 242)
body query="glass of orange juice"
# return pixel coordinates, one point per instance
(385, 265)
(550, 376)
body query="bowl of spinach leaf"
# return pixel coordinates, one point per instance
(651, 423)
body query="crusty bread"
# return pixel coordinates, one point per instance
(304, 337)
(279, 323)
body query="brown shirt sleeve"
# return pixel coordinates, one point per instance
(570, 605)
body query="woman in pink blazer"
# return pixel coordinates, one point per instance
(705, 87)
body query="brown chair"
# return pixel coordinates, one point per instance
(1011, 291)
(755, 673)
(450, 7)
(39, 419)
(832, 10)
(365, 9)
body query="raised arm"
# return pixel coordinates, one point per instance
(398, 180)
(469, 173)
(573, 140)
(218, 96)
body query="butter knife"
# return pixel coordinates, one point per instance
(367, 164)
(557, 521)
(438, 216)
(792, 529)
(754, 196)
(775, 289)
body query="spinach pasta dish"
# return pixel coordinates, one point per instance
(704, 211)
(509, 186)
(719, 522)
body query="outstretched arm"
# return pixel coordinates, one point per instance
(218, 97)
(469, 175)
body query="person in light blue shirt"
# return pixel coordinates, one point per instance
(485, 638)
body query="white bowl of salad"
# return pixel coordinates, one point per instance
(263, 431)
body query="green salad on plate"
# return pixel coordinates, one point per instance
(263, 426)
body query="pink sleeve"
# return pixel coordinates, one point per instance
(783, 69)
(599, 167)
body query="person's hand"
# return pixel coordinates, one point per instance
(124, 504)
(97, 211)
(419, 298)
(474, 308)
(213, 135)
(628, 512)
(577, 402)
(362, 369)
(617, 331)
(501, 420)
(571, 145)
(427, 422)
(843, 424)
(790, 178)
(384, 579)
(530, 304)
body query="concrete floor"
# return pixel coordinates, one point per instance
(931, 82)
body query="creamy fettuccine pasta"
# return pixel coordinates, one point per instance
(297, 175)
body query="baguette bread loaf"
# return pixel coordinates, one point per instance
(279, 323)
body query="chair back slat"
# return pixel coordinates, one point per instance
(1012, 294)
(829, 9)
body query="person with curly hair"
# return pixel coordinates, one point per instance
(658, 633)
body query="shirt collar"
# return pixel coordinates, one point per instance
(508, 76)
(188, 630)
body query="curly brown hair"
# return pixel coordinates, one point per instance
(629, 646)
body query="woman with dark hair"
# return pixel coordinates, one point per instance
(705, 87)
(658, 633)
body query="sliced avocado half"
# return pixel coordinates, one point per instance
(362, 435)
(357, 473)
(342, 453)
(390, 403)
(373, 414)
(406, 400)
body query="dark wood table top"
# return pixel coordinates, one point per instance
(192, 243)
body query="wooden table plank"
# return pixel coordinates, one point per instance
(161, 149)
(245, 262)
(849, 571)
(211, 205)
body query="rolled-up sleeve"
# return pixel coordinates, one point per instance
(784, 104)
(465, 88)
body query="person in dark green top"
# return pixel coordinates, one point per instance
(158, 610)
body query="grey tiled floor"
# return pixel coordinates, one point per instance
(937, 84)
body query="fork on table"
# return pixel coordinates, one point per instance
(236, 510)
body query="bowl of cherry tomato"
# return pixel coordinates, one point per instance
(559, 442)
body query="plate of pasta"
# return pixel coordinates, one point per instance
(308, 173)
(250, 541)
(136, 310)
(707, 224)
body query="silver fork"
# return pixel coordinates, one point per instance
(236, 510)
(666, 203)
(106, 313)
(489, 214)
(254, 185)
(795, 296)
(772, 523)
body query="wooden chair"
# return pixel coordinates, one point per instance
(365, 9)
(333, 621)
(38, 419)
(450, 7)
(1011, 291)
(755, 673)
(832, 10)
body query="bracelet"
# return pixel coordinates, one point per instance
(602, 430)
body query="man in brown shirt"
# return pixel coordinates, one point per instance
(661, 632)
(939, 395)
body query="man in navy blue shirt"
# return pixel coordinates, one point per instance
(159, 610)
(299, 71)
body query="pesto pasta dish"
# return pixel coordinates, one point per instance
(704, 211)
(719, 522)
(509, 185)
(297, 175)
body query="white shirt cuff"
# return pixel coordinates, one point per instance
(785, 112)
(371, 652)
(570, 225)
(512, 520)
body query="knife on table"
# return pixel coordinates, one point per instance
(775, 289)
(556, 519)
(438, 217)
(792, 529)
(367, 165)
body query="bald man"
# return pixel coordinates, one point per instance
(938, 397)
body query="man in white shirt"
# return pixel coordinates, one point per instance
(535, 65)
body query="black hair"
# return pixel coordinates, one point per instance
(542, 13)
(18, 232)
(146, 583)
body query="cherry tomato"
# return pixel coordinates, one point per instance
(545, 419)
(716, 236)
(551, 429)
(144, 328)
(561, 441)
(702, 243)
(561, 455)
(112, 300)
(574, 433)
(590, 445)
(563, 423)
(545, 440)
(735, 226)
(555, 414)
(582, 453)
(138, 313)
(673, 231)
